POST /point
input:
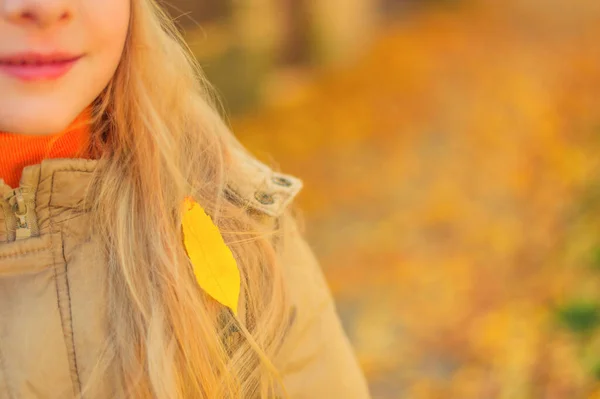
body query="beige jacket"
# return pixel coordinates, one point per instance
(51, 319)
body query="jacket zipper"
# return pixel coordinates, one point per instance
(20, 216)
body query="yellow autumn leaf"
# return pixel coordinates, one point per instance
(214, 266)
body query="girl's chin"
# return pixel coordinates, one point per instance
(33, 124)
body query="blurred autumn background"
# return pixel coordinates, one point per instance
(449, 151)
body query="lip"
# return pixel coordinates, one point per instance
(38, 66)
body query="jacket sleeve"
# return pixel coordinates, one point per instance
(316, 359)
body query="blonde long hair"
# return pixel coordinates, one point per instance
(159, 138)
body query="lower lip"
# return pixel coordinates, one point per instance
(33, 72)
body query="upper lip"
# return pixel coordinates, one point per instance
(37, 58)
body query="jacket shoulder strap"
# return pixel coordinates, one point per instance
(261, 188)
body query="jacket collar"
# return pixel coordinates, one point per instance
(60, 184)
(50, 192)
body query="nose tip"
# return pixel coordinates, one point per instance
(42, 13)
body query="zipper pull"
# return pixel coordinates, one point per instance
(16, 200)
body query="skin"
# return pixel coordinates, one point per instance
(95, 29)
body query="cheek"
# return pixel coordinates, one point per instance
(107, 23)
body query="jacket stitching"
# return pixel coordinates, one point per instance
(71, 315)
(31, 251)
(68, 338)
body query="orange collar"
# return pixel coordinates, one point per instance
(20, 150)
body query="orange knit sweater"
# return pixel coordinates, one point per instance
(20, 150)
